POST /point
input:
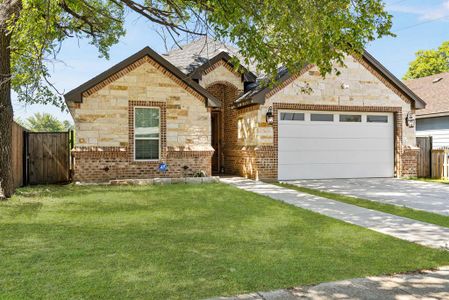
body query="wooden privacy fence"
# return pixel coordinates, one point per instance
(40, 157)
(17, 154)
(48, 157)
(425, 156)
(440, 163)
(432, 163)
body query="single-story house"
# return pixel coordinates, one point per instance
(434, 119)
(191, 110)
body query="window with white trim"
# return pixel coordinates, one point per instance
(146, 133)
(350, 118)
(321, 117)
(377, 119)
(288, 116)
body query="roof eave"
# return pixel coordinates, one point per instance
(419, 103)
(433, 115)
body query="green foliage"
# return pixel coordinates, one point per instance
(273, 33)
(45, 123)
(41, 28)
(181, 242)
(292, 33)
(429, 62)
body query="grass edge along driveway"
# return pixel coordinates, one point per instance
(402, 211)
(181, 242)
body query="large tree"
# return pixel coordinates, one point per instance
(271, 32)
(429, 62)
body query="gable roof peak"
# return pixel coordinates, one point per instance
(76, 95)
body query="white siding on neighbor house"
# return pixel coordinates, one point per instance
(438, 128)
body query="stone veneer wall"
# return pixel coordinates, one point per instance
(104, 126)
(249, 144)
(367, 91)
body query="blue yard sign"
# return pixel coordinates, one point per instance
(163, 167)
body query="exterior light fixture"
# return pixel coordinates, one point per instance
(410, 120)
(269, 116)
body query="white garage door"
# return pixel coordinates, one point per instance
(315, 145)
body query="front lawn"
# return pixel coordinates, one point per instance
(444, 181)
(181, 242)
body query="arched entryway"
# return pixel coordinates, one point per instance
(223, 127)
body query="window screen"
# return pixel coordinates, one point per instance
(146, 133)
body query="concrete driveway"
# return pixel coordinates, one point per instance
(432, 197)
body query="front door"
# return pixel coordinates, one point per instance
(215, 127)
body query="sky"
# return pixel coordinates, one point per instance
(417, 24)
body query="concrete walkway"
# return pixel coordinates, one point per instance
(399, 227)
(428, 196)
(424, 285)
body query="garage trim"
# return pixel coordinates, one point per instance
(397, 115)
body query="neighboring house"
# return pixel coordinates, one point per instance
(434, 119)
(194, 111)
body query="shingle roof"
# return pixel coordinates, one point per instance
(199, 52)
(434, 90)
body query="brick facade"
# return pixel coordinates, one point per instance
(240, 154)
(104, 126)
(368, 92)
(104, 121)
(409, 159)
(98, 164)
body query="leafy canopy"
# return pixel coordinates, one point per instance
(44, 123)
(272, 33)
(429, 62)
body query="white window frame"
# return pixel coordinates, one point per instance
(389, 119)
(148, 138)
(292, 112)
(334, 117)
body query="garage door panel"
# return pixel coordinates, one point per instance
(296, 144)
(309, 150)
(330, 131)
(326, 157)
(323, 171)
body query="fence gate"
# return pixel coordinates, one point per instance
(48, 157)
(425, 156)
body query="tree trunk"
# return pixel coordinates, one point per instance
(6, 116)
(8, 8)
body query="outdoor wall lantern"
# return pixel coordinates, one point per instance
(410, 120)
(269, 116)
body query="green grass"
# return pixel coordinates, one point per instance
(444, 181)
(180, 242)
(402, 211)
